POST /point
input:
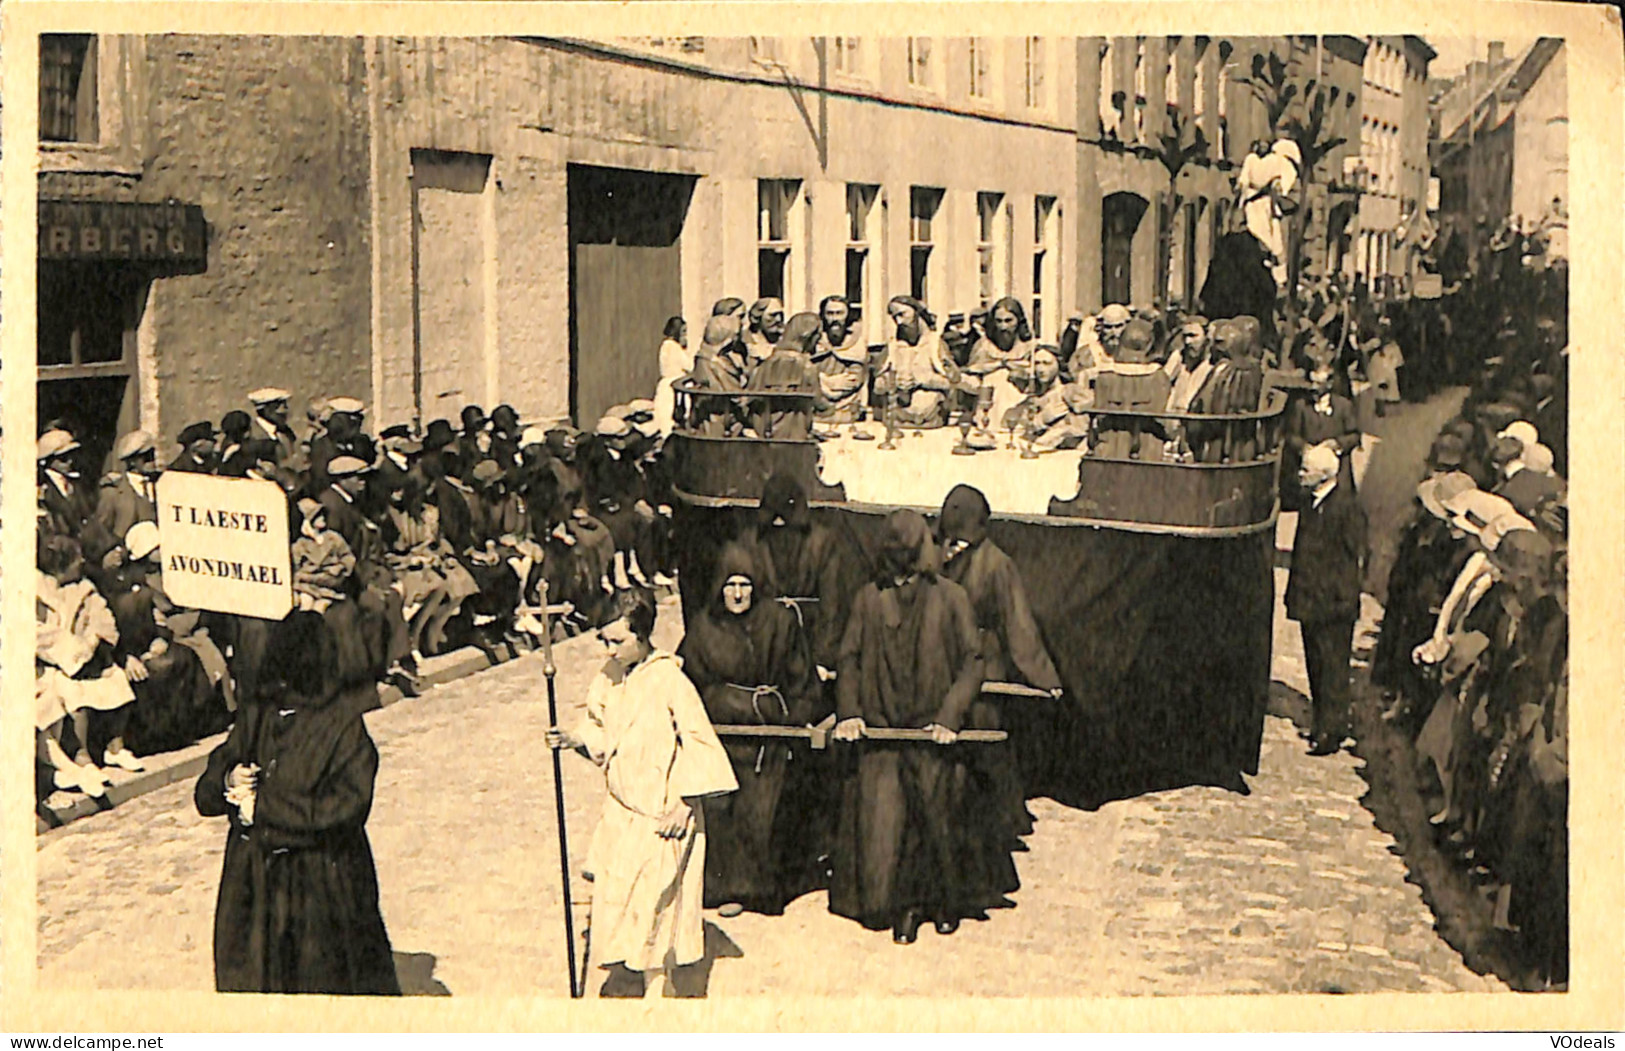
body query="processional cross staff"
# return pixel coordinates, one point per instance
(550, 670)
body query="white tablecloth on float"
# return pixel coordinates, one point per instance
(921, 471)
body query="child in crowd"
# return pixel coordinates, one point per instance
(322, 561)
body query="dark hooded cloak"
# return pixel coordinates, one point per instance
(805, 565)
(910, 657)
(298, 904)
(1012, 650)
(750, 668)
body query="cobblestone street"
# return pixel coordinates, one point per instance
(1185, 892)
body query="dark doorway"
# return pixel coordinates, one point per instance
(96, 410)
(85, 340)
(1120, 218)
(625, 281)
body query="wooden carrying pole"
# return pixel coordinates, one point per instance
(550, 670)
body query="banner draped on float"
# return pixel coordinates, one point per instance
(1163, 642)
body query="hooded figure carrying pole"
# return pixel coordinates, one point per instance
(748, 658)
(910, 658)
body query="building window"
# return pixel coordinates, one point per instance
(1035, 87)
(923, 203)
(846, 55)
(1170, 82)
(1139, 90)
(1111, 97)
(1045, 265)
(981, 67)
(1199, 86)
(991, 244)
(777, 202)
(860, 207)
(765, 50)
(67, 88)
(921, 73)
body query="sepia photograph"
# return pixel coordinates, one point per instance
(726, 517)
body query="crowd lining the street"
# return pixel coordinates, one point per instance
(1473, 653)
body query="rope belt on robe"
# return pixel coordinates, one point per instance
(793, 602)
(757, 693)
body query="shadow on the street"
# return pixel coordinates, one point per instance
(1288, 703)
(696, 980)
(415, 972)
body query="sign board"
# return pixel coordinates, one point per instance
(225, 544)
(122, 230)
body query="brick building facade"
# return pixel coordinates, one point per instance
(429, 223)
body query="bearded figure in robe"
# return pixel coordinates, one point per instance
(1003, 357)
(748, 658)
(910, 658)
(842, 362)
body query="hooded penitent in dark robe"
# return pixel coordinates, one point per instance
(805, 565)
(910, 657)
(811, 571)
(750, 668)
(1012, 651)
(298, 905)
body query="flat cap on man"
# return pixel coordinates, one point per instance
(347, 405)
(345, 466)
(201, 431)
(54, 443)
(268, 396)
(1116, 314)
(136, 443)
(613, 427)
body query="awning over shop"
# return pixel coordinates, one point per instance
(169, 234)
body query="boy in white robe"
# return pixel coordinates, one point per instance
(646, 727)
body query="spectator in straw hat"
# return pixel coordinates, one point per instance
(382, 609)
(64, 504)
(271, 423)
(130, 494)
(343, 436)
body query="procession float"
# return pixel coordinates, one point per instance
(1150, 576)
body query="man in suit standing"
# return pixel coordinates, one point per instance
(271, 423)
(130, 495)
(1323, 592)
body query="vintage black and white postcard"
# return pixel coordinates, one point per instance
(1018, 516)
